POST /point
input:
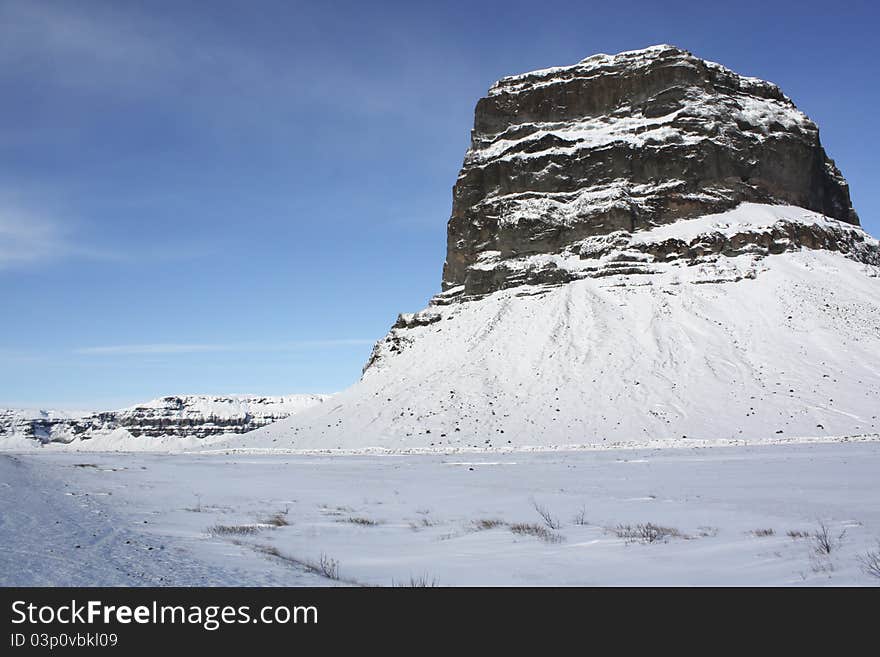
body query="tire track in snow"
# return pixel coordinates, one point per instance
(52, 536)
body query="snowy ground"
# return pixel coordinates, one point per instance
(71, 518)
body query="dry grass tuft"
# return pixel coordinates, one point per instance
(488, 523)
(278, 519)
(536, 530)
(549, 519)
(233, 530)
(647, 533)
(357, 520)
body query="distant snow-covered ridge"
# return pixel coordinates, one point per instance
(172, 417)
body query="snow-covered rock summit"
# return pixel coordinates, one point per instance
(171, 417)
(624, 143)
(644, 248)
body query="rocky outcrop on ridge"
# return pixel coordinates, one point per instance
(641, 252)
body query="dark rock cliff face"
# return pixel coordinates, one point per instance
(625, 143)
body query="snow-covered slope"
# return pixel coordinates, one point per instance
(749, 347)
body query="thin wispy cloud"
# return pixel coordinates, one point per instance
(22, 357)
(28, 238)
(195, 348)
(83, 48)
(149, 349)
(34, 238)
(121, 50)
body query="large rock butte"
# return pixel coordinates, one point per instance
(618, 144)
(644, 248)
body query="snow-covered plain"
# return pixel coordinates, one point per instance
(743, 515)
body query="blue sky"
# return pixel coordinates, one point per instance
(240, 196)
